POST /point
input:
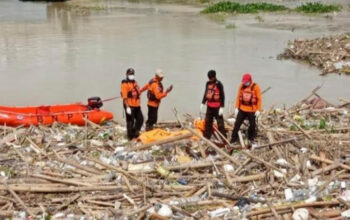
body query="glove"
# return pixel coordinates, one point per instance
(257, 113)
(201, 109)
(128, 110)
(169, 89)
(221, 111)
(236, 112)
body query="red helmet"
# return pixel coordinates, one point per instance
(246, 78)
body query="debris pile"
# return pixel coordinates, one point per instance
(330, 54)
(298, 169)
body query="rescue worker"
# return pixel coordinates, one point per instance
(248, 105)
(214, 98)
(130, 92)
(154, 94)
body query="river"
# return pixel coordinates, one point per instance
(49, 55)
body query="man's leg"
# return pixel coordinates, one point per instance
(252, 126)
(152, 117)
(208, 123)
(138, 121)
(129, 124)
(149, 116)
(239, 120)
(221, 124)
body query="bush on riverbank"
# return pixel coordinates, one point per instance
(231, 7)
(234, 7)
(316, 7)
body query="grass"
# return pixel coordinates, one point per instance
(249, 8)
(317, 7)
(231, 7)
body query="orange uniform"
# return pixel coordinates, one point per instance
(155, 92)
(130, 93)
(249, 98)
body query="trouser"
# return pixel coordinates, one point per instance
(134, 122)
(209, 117)
(241, 116)
(152, 117)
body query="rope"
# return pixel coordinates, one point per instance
(110, 99)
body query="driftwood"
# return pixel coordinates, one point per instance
(223, 153)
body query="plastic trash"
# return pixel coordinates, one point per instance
(296, 178)
(70, 217)
(228, 168)
(282, 162)
(182, 181)
(313, 181)
(164, 172)
(279, 174)
(59, 215)
(343, 185)
(346, 214)
(345, 195)
(288, 193)
(185, 201)
(19, 216)
(299, 195)
(110, 176)
(301, 214)
(242, 202)
(231, 121)
(96, 143)
(311, 199)
(219, 212)
(165, 211)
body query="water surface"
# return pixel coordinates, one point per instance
(49, 55)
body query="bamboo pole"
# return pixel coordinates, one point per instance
(217, 149)
(325, 160)
(77, 165)
(19, 200)
(290, 206)
(121, 171)
(249, 178)
(325, 169)
(64, 181)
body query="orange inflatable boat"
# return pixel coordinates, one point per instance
(69, 114)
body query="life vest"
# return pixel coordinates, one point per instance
(134, 93)
(213, 92)
(150, 94)
(248, 96)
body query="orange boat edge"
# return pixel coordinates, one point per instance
(74, 114)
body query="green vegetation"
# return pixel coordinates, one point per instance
(231, 26)
(317, 7)
(234, 7)
(231, 7)
(259, 18)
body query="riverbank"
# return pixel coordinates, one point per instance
(300, 160)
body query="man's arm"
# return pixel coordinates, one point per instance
(258, 96)
(205, 92)
(222, 95)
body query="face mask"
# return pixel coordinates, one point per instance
(246, 84)
(131, 77)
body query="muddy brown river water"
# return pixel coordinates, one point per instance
(49, 55)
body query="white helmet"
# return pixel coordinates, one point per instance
(159, 73)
